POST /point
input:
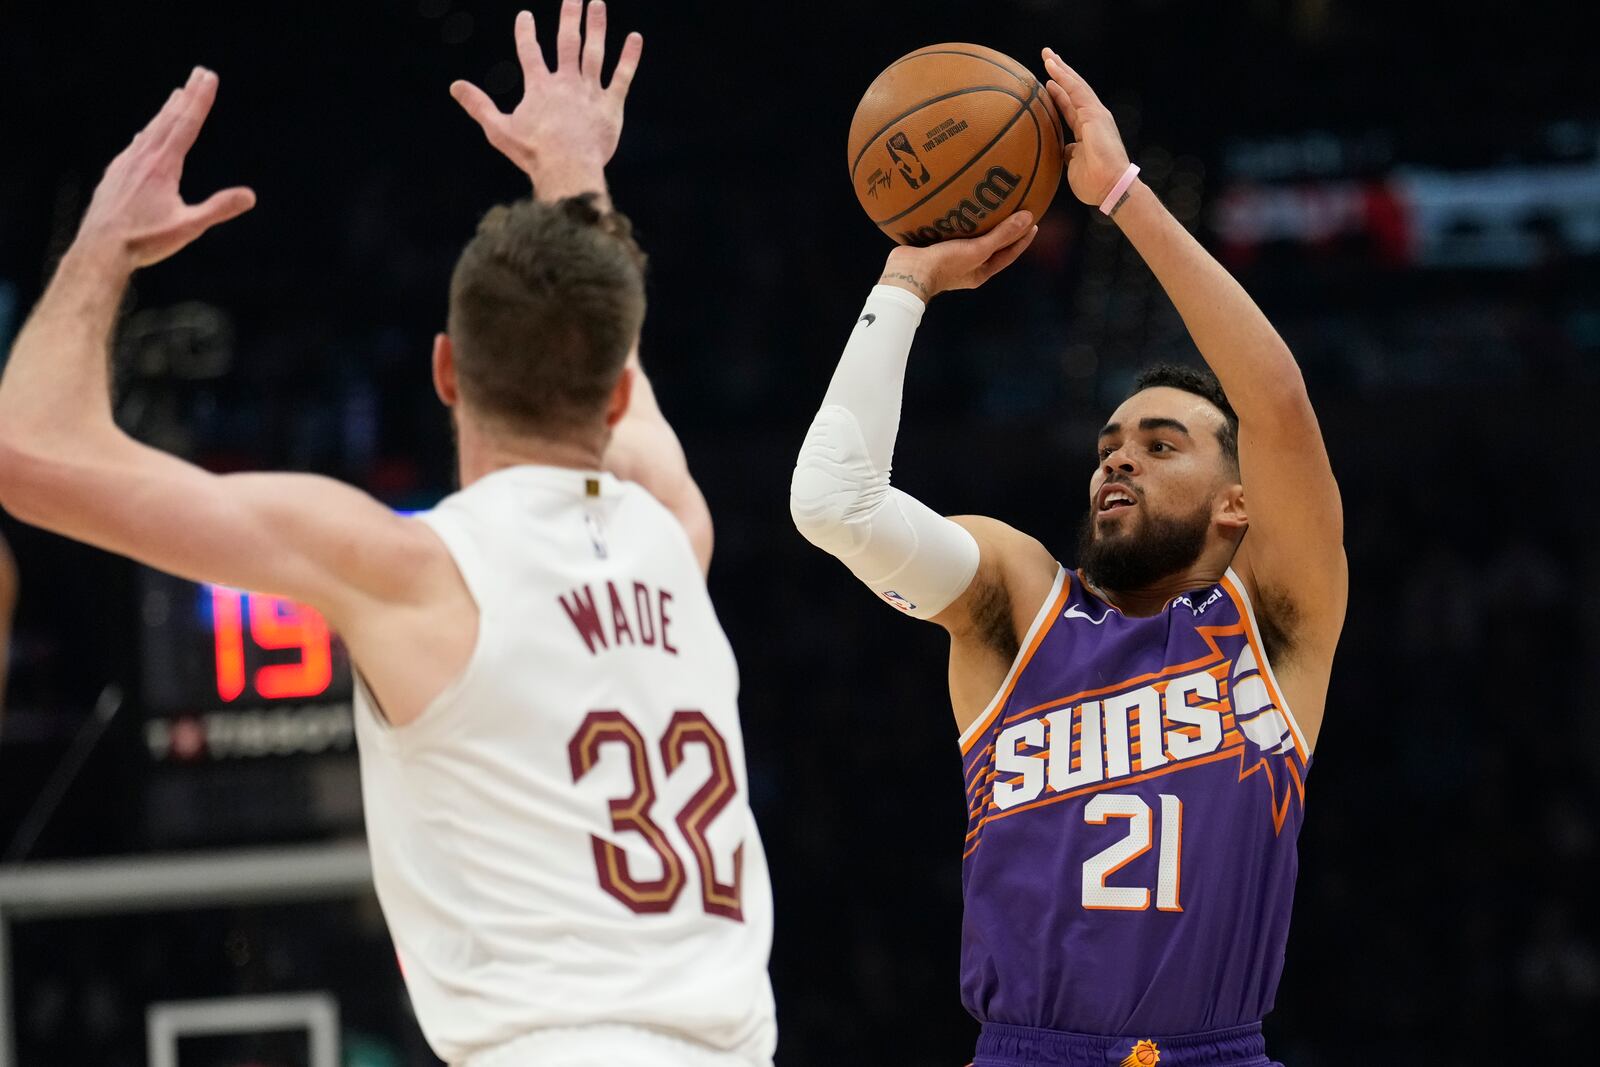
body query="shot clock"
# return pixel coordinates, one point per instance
(274, 625)
(246, 731)
(234, 674)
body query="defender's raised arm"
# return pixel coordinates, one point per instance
(562, 134)
(65, 465)
(567, 125)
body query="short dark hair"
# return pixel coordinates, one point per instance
(1202, 383)
(545, 304)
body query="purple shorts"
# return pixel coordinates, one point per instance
(1000, 1045)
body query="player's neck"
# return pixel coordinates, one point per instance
(1153, 599)
(481, 452)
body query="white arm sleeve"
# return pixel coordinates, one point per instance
(840, 497)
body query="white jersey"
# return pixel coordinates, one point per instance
(564, 839)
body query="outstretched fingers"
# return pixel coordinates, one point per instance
(1071, 80)
(569, 36)
(198, 96)
(220, 207)
(156, 130)
(476, 103)
(594, 41)
(1064, 104)
(627, 63)
(1004, 235)
(529, 54)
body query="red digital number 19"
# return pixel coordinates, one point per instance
(275, 623)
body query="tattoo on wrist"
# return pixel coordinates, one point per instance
(903, 277)
(1118, 205)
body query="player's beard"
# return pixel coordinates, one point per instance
(1161, 545)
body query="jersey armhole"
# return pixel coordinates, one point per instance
(1048, 612)
(1241, 596)
(441, 708)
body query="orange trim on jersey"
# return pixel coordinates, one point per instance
(998, 704)
(1241, 603)
(1278, 813)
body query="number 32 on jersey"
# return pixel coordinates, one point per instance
(632, 813)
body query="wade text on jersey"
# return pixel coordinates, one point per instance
(630, 614)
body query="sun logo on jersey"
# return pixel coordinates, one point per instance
(1144, 1054)
(1259, 719)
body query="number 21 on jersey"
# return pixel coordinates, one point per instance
(632, 813)
(1097, 896)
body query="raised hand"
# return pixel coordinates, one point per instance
(960, 263)
(566, 127)
(1096, 159)
(137, 213)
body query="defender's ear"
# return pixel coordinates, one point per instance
(621, 396)
(444, 371)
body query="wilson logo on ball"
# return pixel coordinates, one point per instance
(962, 221)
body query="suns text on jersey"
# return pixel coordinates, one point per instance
(1186, 719)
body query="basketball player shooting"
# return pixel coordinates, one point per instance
(552, 762)
(1135, 774)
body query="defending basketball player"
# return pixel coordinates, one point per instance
(552, 761)
(1136, 732)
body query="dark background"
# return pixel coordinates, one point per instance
(1453, 353)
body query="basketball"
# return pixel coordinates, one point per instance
(950, 140)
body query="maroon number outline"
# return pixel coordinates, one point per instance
(688, 728)
(631, 813)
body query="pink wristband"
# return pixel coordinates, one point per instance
(1118, 189)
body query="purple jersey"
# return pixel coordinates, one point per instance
(1135, 790)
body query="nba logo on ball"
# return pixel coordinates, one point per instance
(905, 157)
(1144, 1054)
(898, 601)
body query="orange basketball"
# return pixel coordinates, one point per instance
(950, 140)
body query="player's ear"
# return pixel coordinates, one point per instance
(444, 371)
(1228, 509)
(621, 395)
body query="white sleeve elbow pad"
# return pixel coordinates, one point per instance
(910, 555)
